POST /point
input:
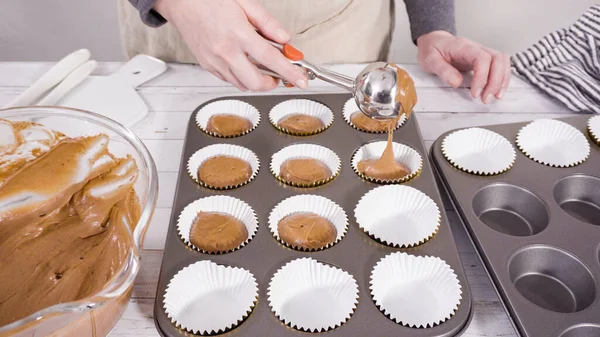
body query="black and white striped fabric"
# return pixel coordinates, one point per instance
(565, 64)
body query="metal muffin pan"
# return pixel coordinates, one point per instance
(537, 230)
(356, 253)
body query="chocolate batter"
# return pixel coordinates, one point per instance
(366, 123)
(228, 125)
(22, 142)
(224, 171)
(304, 171)
(66, 219)
(406, 93)
(386, 167)
(301, 123)
(306, 230)
(217, 232)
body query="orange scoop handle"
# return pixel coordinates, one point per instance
(292, 53)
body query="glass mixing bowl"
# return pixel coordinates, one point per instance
(98, 314)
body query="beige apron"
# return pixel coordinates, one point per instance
(326, 31)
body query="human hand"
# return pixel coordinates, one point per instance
(446, 55)
(222, 36)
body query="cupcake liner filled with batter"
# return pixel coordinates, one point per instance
(415, 291)
(301, 117)
(311, 296)
(368, 162)
(217, 224)
(308, 222)
(479, 151)
(553, 143)
(360, 121)
(227, 118)
(398, 215)
(205, 298)
(305, 165)
(594, 129)
(223, 166)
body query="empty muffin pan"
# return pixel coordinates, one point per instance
(536, 229)
(356, 252)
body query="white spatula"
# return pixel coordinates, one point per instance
(51, 78)
(71, 81)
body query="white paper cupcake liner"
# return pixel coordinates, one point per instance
(312, 296)
(221, 204)
(350, 107)
(233, 107)
(206, 298)
(321, 153)
(553, 143)
(302, 106)
(479, 151)
(403, 154)
(309, 203)
(594, 129)
(398, 215)
(214, 150)
(415, 291)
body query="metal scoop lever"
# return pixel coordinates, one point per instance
(312, 71)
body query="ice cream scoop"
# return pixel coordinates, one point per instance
(382, 90)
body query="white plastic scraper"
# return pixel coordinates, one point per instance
(114, 96)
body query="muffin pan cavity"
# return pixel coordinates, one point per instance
(583, 330)
(552, 279)
(300, 305)
(536, 227)
(579, 195)
(510, 210)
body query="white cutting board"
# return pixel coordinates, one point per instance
(114, 96)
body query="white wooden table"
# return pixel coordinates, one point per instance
(174, 95)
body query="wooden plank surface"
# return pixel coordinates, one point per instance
(174, 95)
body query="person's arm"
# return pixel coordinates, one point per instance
(429, 16)
(442, 53)
(224, 37)
(147, 13)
